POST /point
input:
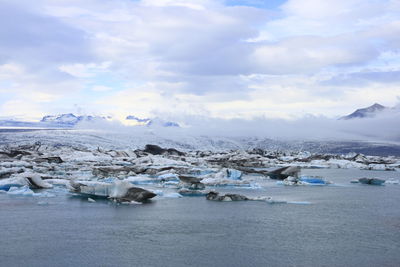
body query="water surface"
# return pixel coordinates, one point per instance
(345, 225)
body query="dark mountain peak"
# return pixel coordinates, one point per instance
(140, 120)
(365, 112)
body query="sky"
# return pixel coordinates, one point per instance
(222, 59)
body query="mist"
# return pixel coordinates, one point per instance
(382, 127)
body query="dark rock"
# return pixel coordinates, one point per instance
(54, 160)
(156, 150)
(138, 194)
(7, 173)
(15, 153)
(215, 196)
(190, 179)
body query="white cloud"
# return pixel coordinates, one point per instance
(176, 56)
(101, 88)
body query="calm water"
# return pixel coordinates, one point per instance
(345, 225)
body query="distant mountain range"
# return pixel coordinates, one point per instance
(70, 120)
(152, 122)
(367, 112)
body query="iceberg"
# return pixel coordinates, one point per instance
(303, 180)
(192, 193)
(371, 181)
(23, 191)
(233, 174)
(172, 195)
(312, 180)
(35, 181)
(284, 172)
(119, 191)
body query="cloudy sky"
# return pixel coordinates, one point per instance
(225, 59)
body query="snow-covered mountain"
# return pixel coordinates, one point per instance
(68, 119)
(53, 121)
(367, 112)
(144, 121)
(152, 122)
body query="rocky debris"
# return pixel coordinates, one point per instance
(215, 196)
(156, 150)
(136, 194)
(15, 153)
(6, 173)
(191, 182)
(54, 160)
(109, 171)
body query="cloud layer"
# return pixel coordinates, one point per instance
(224, 59)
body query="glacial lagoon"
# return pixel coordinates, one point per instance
(341, 224)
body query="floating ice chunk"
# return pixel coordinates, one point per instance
(158, 192)
(141, 180)
(168, 177)
(91, 200)
(135, 203)
(227, 174)
(192, 193)
(312, 180)
(233, 174)
(173, 195)
(379, 167)
(36, 181)
(217, 181)
(171, 183)
(275, 201)
(299, 202)
(109, 180)
(58, 182)
(119, 191)
(303, 180)
(215, 196)
(391, 181)
(131, 202)
(23, 191)
(371, 181)
(15, 181)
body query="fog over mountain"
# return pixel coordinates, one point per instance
(375, 123)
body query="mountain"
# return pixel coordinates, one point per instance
(138, 120)
(68, 119)
(367, 112)
(52, 121)
(152, 122)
